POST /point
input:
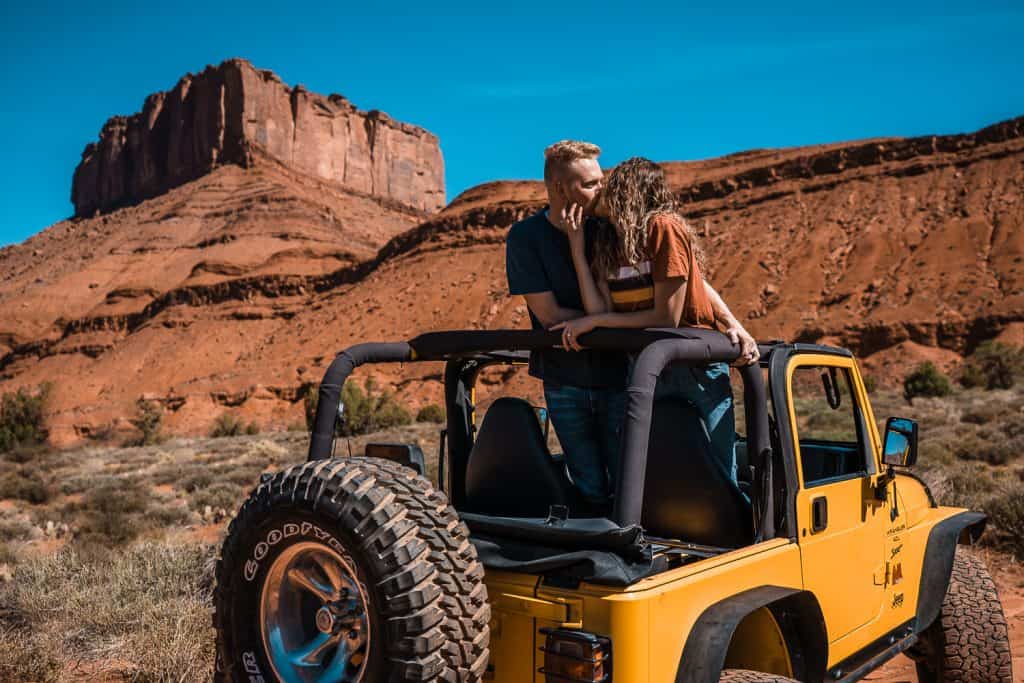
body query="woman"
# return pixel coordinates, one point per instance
(645, 271)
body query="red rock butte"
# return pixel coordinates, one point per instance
(230, 112)
(239, 263)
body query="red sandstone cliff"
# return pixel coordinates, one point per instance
(222, 114)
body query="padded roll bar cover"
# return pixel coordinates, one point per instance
(708, 348)
(755, 410)
(341, 367)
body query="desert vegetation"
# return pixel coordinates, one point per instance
(367, 409)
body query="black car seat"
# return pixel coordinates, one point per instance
(688, 496)
(510, 470)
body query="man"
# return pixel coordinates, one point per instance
(584, 390)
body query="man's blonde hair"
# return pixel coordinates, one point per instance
(563, 152)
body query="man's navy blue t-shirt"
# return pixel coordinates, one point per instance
(538, 259)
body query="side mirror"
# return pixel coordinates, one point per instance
(899, 449)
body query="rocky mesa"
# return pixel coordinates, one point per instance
(222, 114)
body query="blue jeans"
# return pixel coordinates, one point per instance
(588, 423)
(708, 389)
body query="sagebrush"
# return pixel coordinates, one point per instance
(22, 418)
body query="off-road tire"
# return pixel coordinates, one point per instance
(969, 641)
(744, 676)
(427, 600)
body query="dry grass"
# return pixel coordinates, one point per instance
(142, 614)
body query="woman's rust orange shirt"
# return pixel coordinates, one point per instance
(669, 255)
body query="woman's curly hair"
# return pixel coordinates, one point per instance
(635, 191)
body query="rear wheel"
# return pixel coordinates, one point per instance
(351, 569)
(744, 676)
(968, 642)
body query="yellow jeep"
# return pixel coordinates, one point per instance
(826, 558)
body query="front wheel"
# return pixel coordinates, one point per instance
(350, 569)
(969, 641)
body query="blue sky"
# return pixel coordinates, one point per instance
(498, 82)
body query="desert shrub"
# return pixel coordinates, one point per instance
(970, 486)
(1006, 512)
(993, 366)
(431, 413)
(21, 418)
(983, 414)
(974, 447)
(148, 420)
(112, 512)
(24, 483)
(230, 425)
(220, 495)
(199, 479)
(1013, 426)
(367, 409)
(934, 453)
(166, 515)
(926, 380)
(13, 529)
(226, 425)
(7, 554)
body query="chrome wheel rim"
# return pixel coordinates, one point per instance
(313, 617)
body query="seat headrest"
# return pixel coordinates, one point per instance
(510, 471)
(687, 494)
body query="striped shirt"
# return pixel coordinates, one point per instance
(669, 255)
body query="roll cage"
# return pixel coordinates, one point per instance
(467, 352)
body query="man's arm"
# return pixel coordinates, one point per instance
(546, 308)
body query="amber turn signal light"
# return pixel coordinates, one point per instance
(576, 657)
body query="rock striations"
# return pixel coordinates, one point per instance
(225, 113)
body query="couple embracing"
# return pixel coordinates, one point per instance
(615, 252)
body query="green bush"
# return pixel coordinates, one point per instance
(993, 366)
(366, 410)
(148, 419)
(431, 413)
(21, 418)
(926, 380)
(229, 425)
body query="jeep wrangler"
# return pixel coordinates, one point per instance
(825, 559)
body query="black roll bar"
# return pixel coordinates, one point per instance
(639, 407)
(341, 367)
